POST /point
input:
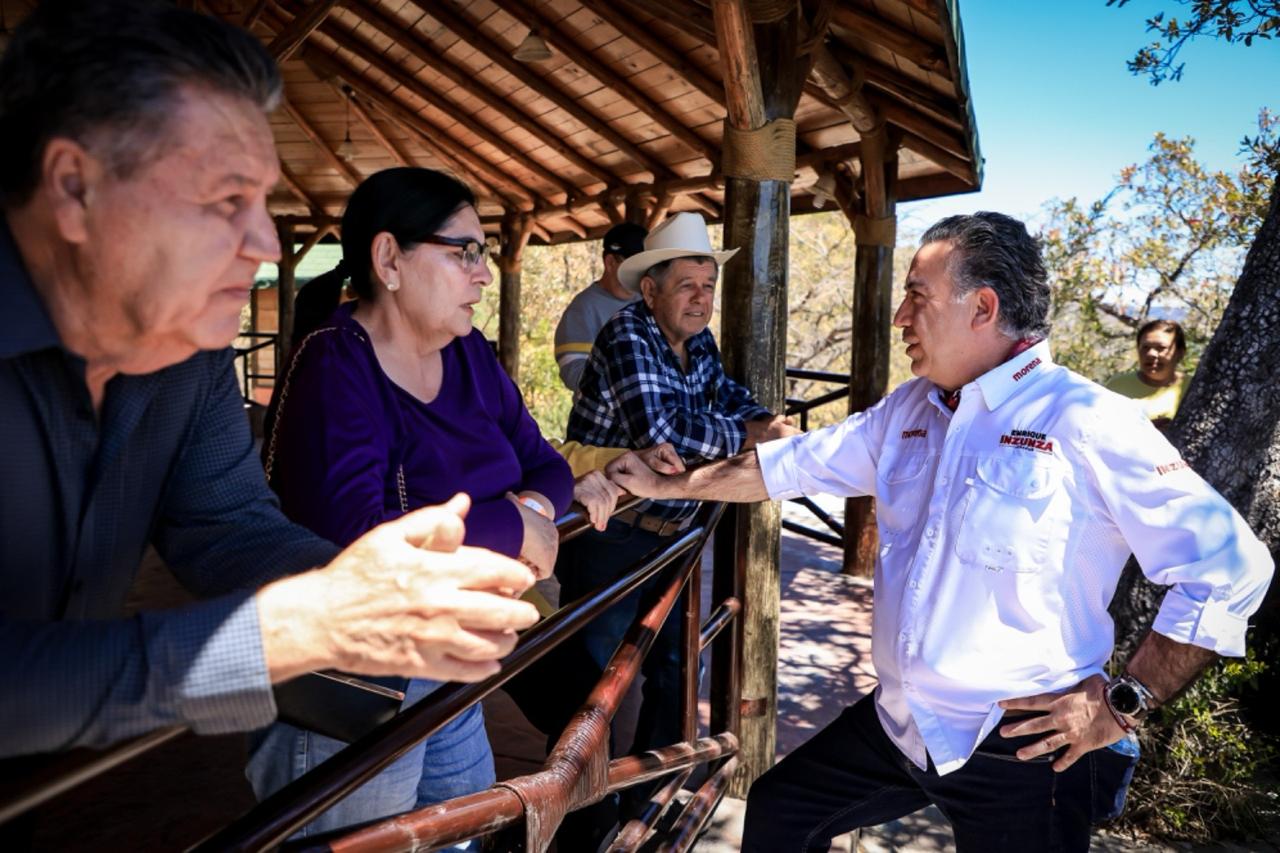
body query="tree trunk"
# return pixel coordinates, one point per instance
(1228, 427)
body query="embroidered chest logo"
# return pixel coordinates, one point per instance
(1171, 467)
(1026, 368)
(1025, 439)
(914, 433)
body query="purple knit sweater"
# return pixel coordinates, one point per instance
(347, 438)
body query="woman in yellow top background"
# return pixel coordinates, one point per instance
(1157, 384)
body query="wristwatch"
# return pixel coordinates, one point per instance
(1128, 696)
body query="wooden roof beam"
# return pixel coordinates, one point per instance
(921, 125)
(460, 158)
(397, 153)
(288, 40)
(684, 15)
(634, 31)
(500, 55)
(342, 167)
(959, 166)
(900, 42)
(539, 21)
(886, 79)
(326, 66)
(290, 180)
(252, 14)
(360, 48)
(420, 48)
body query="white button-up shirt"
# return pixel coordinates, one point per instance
(1003, 530)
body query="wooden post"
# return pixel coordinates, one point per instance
(874, 226)
(762, 83)
(636, 211)
(515, 235)
(284, 294)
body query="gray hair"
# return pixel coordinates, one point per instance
(995, 251)
(659, 271)
(107, 73)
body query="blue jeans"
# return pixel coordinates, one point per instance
(456, 760)
(595, 559)
(851, 775)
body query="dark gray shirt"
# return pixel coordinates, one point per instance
(169, 461)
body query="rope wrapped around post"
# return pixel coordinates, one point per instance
(767, 153)
(876, 232)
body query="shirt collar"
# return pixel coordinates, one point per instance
(25, 325)
(1026, 368)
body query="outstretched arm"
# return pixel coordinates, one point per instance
(737, 479)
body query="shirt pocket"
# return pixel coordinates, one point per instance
(1010, 519)
(900, 493)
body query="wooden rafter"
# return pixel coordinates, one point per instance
(342, 167)
(327, 66)
(290, 180)
(252, 14)
(902, 43)
(915, 95)
(420, 48)
(684, 15)
(908, 119)
(349, 41)
(634, 31)
(288, 40)
(501, 56)
(958, 166)
(461, 159)
(362, 115)
(540, 21)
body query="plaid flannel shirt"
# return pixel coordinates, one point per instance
(635, 394)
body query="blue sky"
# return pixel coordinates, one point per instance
(1059, 114)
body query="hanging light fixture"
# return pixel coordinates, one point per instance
(532, 49)
(347, 150)
(825, 189)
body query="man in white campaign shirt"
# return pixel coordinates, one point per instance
(1009, 492)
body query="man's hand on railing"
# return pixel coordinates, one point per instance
(767, 429)
(662, 458)
(630, 472)
(407, 598)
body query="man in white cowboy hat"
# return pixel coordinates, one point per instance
(655, 375)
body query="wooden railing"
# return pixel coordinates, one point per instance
(577, 772)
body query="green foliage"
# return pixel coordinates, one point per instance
(1199, 777)
(551, 276)
(1168, 241)
(1233, 21)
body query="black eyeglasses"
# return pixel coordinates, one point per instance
(473, 251)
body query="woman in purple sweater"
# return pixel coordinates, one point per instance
(396, 403)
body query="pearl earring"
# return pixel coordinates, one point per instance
(393, 285)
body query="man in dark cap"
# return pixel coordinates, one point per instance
(592, 308)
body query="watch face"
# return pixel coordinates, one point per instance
(1124, 698)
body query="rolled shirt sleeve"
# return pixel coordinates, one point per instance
(1182, 532)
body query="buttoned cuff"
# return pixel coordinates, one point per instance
(209, 658)
(1208, 624)
(778, 468)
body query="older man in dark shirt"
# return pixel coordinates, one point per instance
(135, 167)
